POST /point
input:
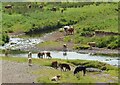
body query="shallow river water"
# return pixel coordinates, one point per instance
(24, 44)
(74, 55)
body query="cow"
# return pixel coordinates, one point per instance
(80, 68)
(64, 67)
(55, 78)
(9, 7)
(54, 64)
(30, 59)
(41, 6)
(41, 55)
(54, 9)
(48, 54)
(91, 44)
(68, 30)
(71, 31)
(29, 6)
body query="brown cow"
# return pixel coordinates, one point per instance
(29, 6)
(91, 44)
(70, 31)
(54, 64)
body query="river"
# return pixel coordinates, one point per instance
(26, 44)
(74, 55)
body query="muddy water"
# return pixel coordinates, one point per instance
(74, 55)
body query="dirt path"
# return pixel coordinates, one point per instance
(13, 72)
(59, 37)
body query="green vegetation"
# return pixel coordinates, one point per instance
(50, 44)
(86, 17)
(4, 38)
(67, 77)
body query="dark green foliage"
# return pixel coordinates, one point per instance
(5, 38)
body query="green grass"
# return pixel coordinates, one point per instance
(94, 16)
(46, 74)
(50, 44)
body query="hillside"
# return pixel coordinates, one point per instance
(44, 17)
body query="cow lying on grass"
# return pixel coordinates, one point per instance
(55, 78)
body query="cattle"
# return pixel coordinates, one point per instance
(6, 52)
(9, 7)
(54, 64)
(71, 31)
(55, 78)
(68, 30)
(48, 54)
(41, 55)
(64, 67)
(54, 9)
(92, 44)
(64, 47)
(41, 6)
(62, 11)
(29, 6)
(80, 68)
(30, 59)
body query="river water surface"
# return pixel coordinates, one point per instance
(25, 44)
(74, 55)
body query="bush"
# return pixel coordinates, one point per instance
(5, 38)
(112, 45)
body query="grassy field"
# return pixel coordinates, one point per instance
(68, 77)
(85, 17)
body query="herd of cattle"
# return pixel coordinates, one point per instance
(66, 67)
(56, 65)
(30, 6)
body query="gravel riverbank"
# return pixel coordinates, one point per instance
(13, 72)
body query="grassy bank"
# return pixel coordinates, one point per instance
(85, 17)
(67, 77)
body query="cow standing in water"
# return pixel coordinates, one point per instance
(64, 50)
(48, 54)
(30, 59)
(41, 55)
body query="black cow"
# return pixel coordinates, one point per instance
(80, 68)
(64, 65)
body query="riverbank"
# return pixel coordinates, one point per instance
(41, 72)
(54, 42)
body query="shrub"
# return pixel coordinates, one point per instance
(5, 38)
